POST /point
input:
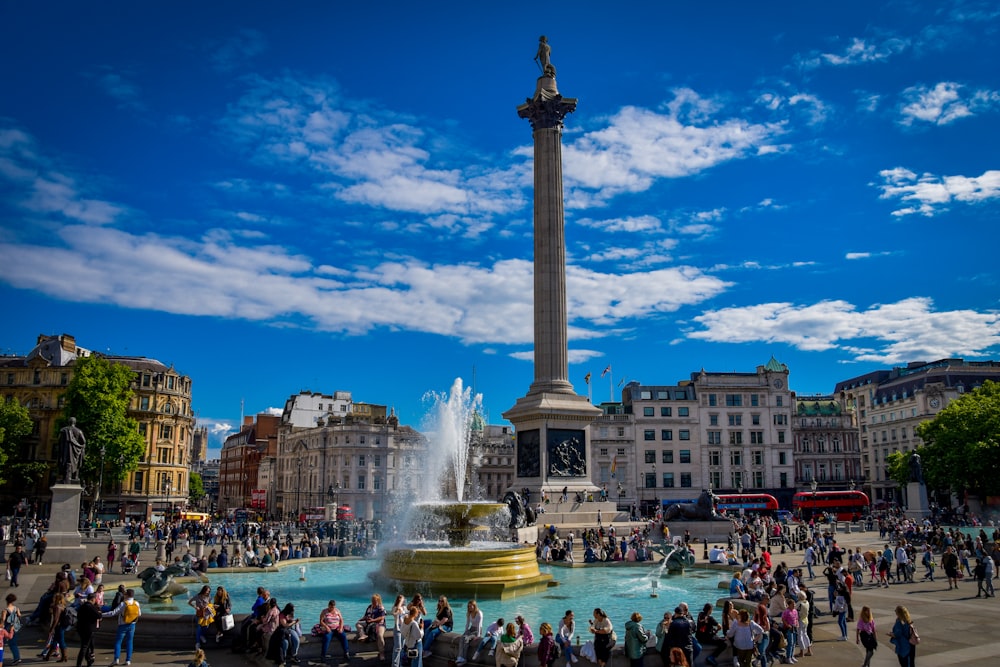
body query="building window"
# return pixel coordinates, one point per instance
(377, 460)
(666, 434)
(783, 480)
(734, 400)
(361, 460)
(143, 429)
(377, 483)
(754, 400)
(714, 457)
(667, 456)
(736, 457)
(645, 395)
(736, 420)
(685, 456)
(621, 451)
(650, 456)
(64, 379)
(668, 480)
(662, 395)
(650, 480)
(647, 412)
(686, 480)
(166, 431)
(779, 401)
(755, 419)
(758, 479)
(736, 437)
(756, 437)
(144, 403)
(712, 400)
(361, 482)
(621, 431)
(781, 437)
(713, 420)
(737, 478)
(715, 437)
(649, 434)
(666, 412)
(782, 458)
(604, 451)
(10, 378)
(683, 412)
(780, 420)
(170, 382)
(137, 480)
(758, 457)
(147, 379)
(684, 434)
(715, 479)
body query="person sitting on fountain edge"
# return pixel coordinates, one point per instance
(443, 622)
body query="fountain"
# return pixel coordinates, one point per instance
(469, 563)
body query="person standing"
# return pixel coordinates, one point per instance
(10, 621)
(205, 614)
(398, 613)
(602, 628)
(57, 630)
(636, 639)
(128, 613)
(744, 634)
(865, 634)
(88, 617)
(904, 637)
(413, 635)
(790, 621)
(680, 634)
(949, 561)
(15, 562)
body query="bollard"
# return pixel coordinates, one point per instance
(705, 552)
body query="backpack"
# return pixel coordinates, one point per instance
(64, 619)
(13, 621)
(131, 612)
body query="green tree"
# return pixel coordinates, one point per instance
(898, 467)
(196, 488)
(15, 424)
(98, 396)
(962, 443)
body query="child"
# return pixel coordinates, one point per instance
(199, 659)
(5, 634)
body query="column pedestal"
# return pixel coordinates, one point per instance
(65, 544)
(917, 506)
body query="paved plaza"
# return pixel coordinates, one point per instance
(953, 624)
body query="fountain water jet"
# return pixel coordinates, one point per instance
(480, 568)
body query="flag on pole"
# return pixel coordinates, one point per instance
(614, 465)
(606, 370)
(586, 378)
(621, 382)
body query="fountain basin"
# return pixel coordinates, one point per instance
(497, 573)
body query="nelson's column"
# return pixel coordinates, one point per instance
(552, 421)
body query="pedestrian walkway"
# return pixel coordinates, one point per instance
(953, 625)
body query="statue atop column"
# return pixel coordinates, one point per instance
(72, 445)
(916, 469)
(544, 57)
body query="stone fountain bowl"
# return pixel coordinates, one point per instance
(460, 519)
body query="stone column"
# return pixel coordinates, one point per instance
(65, 544)
(552, 422)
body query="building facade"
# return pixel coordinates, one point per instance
(359, 456)
(890, 404)
(244, 454)
(827, 448)
(161, 404)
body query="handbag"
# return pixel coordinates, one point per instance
(228, 622)
(914, 637)
(869, 640)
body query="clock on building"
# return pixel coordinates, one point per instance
(935, 403)
(778, 383)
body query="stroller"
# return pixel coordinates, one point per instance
(130, 564)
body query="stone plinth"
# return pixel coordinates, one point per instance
(917, 506)
(65, 544)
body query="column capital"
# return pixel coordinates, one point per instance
(547, 109)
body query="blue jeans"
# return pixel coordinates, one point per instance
(328, 637)
(762, 649)
(290, 645)
(567, 647)
(431, 634)
(414, 662)
(126, 632)
(12, 645)
(491, 642)
(397, 646)
(791, 638)
(842, 622)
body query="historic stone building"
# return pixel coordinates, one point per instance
(244, 458)
(491, 459)
(827, 449)
(890, 404)
(351, 453)
(161, 404)
(614, 445)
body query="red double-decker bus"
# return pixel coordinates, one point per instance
(844, 505)
(756, 503)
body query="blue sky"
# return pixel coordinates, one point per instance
(337, 196)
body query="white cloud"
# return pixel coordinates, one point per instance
(884, 333)
(640, 146)
(858, 52)
(370, 156)
(944, 103)
(44, 188)
(866, 255)
(928, 194)
(642, 223)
